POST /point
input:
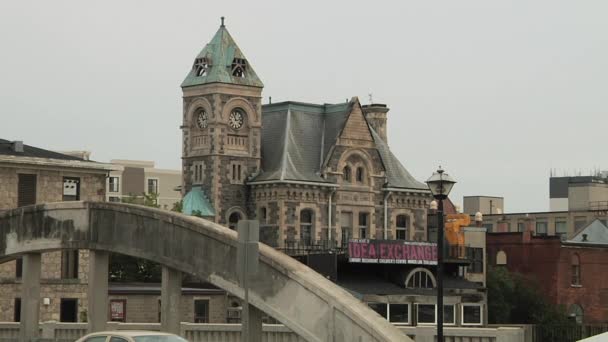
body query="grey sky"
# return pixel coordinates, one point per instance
(498, 92)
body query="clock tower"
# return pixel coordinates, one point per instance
(221, 128)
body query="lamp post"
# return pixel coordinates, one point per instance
(440, 184)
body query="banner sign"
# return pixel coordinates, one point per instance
(392, 252)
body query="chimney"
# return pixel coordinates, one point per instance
(375, 114)
(585, 238)
(17, 146)
(528, 229)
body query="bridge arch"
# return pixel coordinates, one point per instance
(307, 303)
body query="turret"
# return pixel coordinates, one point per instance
(375, 114)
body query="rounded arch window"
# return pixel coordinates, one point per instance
(420, 278)
(575, 312)
(360, 175)
(501, 258)
(347, 173)
(306, 226)
(234, 219)
(576, 269)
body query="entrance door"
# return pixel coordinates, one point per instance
(68, 310)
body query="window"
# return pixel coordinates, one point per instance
(17, 310)
(476, 257)
(117, 339)
(402, 223)
(449, 315)
(501, 258)
(579, 222)
(156, 338)
(360, 175)
(263, 215)
(239, 67)
(576, 313)
(19, 268)
(71, 189)
(420, 278)
(26, 192)
(363, 225)
(306, 231)
(561, 227)
(236, 173)
(198, 172)
(115, 199)
(346, 174)
(399, 313)
(426, 313)
(576, 270)
(152, 186)
(201, 311)
(97, 339)
(471, 314)
(521, 227)
(114, 184)
(69, 264)
(346, 225)
(201, 65)
(541, 228)
(489, 227)
(233, 220)
(68, 310)
(380, 308)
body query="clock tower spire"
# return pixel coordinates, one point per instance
(221, 127)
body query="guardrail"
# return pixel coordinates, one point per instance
(195, 332)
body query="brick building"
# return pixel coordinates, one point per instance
(570, 272)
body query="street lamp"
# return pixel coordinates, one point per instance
(440, 184)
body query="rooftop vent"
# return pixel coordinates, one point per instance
(17, 146)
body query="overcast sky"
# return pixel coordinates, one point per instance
(497, 92)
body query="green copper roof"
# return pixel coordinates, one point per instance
(217, 59)
(197, 202)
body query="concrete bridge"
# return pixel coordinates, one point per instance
(304, 301)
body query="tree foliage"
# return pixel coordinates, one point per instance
(515, 299)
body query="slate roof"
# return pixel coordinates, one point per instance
(297, 138)
(6, 148)
(220, 52)
(596, 233)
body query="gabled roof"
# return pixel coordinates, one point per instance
(297, 139)
(219, 54)
(6, 148)
(595, 233)
(396, 174)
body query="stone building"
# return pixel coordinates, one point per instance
(31, 175)
(321, 180)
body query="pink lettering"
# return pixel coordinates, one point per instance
(413, 254)
(372, 252)
(406, 252)
(390, 249)
(364, 250)
(420, 252)
(397, 252)
(434, 252)
(427, 253)
(382, 251)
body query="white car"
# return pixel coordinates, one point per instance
(131, 336)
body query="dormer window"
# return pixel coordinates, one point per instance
(201, 66)
(239, 67)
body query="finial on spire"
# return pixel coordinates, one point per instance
(222, 21)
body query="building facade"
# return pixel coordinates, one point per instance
(136, 177)
(321, 180)
(569, 272)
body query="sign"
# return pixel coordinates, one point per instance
(117, 310)
(392, 252)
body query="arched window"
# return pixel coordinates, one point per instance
(402, 225)
(501, 258)
(576, 313)
(306, 228)
(360, 174)
(346, 173)
(576, 270)
(233, 220)
(420, 278)
(263, 215)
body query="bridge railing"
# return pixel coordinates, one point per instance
(195, 332)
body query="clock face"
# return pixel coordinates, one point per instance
(202, 120)
(236, 119)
